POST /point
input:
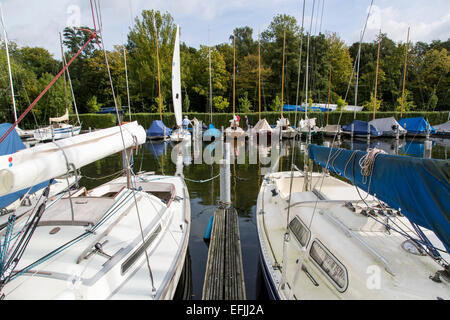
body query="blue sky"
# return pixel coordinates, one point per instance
(37, 22)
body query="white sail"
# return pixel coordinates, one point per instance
(176, 79)
(31, 166)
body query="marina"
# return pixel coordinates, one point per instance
(205, 193)
(239, 194)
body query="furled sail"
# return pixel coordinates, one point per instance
(419, 187)
(31, 166)
(64, 117)
(176, 79)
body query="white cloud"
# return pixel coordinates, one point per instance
(395, 22)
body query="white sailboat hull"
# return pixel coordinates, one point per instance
(333, 251)
(120, 270)
(51, 133)
(180, 135)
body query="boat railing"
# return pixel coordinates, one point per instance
(353, 235)
(347, 230)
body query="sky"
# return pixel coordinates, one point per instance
(210, 22)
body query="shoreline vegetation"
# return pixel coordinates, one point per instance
(100, 121)
(427, 76)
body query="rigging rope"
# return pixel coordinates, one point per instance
(93, 36)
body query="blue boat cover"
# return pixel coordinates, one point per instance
(302, 108)
(110, 110)
(416, 125)
(420, 187)
(212, 131)
(360, 127)
(10, 145)
(157, 129)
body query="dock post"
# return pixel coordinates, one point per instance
(225, 180)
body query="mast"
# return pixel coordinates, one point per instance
(357, 75)
(282, 74)
(307, 62)
(159, 77)
(63, 64)
(376, 76)
(234, 71)
(404, 73)
(126, 80)
(259, 75)
(329, 88)
(9, 64)
(210, 82)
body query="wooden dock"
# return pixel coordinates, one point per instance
(224, 277)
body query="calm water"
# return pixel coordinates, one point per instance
(246, 175)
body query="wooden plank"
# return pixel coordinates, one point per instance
(224, 277)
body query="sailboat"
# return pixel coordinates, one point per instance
(283, 124)
(323, 238)
(234, 131)
(125, 239)
(59, 127)
(212, 133)
(158, 129)
(179, 134)
(262, 127)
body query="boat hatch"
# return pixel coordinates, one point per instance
(300, 231)
(329, 265)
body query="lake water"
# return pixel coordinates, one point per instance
(193, 162)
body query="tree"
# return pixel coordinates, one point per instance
(272, 54)
(200, 72)
(220, 103)
(408, 103)
(341, 63)
(244, 104)
(151, 28)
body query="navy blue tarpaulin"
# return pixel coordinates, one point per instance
(416, 125)
(419, 187)
(10, 145)
(157, 129)
(360, 128)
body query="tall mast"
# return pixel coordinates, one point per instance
(329, 88)
(159, 80)
(357, 75)
(9, 64)
(126, 80)
(282, 74)
(210, 82)
(307, 62)
(70, 85)
(404, 73)
(234, 69)
(259, 75)
(63, 64)
(376, 77)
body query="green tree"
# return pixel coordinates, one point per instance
(151, 28)
(93, 105)
(245, 105)
(220, 103)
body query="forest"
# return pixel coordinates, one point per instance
(149, 47)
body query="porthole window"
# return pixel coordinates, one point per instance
(300, 231)
(328, 264)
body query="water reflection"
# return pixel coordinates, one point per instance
(196, 162)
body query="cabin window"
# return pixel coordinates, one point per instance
(327, 262)
(300, 231)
